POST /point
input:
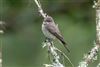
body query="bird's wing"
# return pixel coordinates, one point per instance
(54, 30)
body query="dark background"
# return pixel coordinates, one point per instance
(22, 38)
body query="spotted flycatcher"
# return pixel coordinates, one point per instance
(51, 30)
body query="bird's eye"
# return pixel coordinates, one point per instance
(48, 20)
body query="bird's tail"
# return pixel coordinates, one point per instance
(62, 40)
(65, 44)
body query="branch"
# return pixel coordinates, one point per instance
(52, 50)
(92, 55)
(40, 8)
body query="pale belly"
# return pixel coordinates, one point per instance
(47, 33)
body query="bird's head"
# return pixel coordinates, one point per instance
(48, 19)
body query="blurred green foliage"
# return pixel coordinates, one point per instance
(22, 40)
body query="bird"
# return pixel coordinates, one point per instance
(51, 31)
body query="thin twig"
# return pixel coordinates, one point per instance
(65, 56)
(98, 65)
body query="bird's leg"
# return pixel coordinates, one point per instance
(46, 40)
(50, 41)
